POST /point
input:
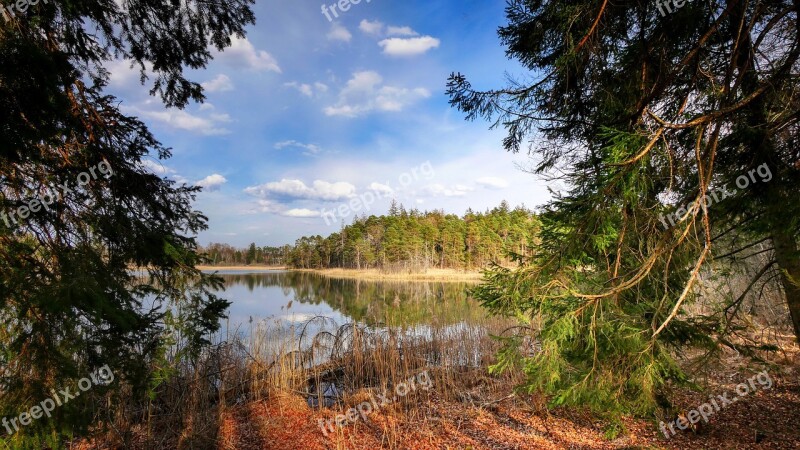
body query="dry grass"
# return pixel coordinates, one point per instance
(193, 407)
(262, 390)
(254, 268)
(376, 274)
(368, 274)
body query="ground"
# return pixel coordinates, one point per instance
(770, 416)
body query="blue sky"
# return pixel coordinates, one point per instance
(306, 115)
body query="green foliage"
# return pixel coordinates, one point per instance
(639, 114)
(69, 302)
(417, 241)
(597, 348)
(226, 255)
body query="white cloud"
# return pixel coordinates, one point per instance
(437, 190)
(304, 89)
(307, 89)
(243, 54)
(268, 206)
(123, 75)
(310, 149)
(408, 47)
(339, 33)
(182, 120)
(157, 168)
(342, 110)
(302, 212)
(226, 118)
(401, 31)
(381, 188)
(492, 182)
(212, 182)
(364, 93)
(320, 190)
(222, 83)
(375, 27)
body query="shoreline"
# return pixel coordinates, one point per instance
(442, 275)
(253, 268)
(445, 275)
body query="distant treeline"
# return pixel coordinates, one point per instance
(226, 255)
(402, 241)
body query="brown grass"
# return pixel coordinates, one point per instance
(376, 274)
(256, 392)
(254, 268)
(198, 406)
(368, 274)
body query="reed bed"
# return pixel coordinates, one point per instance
(330, 366)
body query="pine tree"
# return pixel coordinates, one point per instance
(394, 211)
(251, 254)
(643, 114)
(68, 301)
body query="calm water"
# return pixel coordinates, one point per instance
(296, 297)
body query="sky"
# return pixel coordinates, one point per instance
(310, 121)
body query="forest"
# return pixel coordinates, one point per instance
(402, 241)
(608, 317)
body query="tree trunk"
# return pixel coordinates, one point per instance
(788, 259)
(773, 196)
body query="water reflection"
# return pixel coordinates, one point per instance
(298, 296)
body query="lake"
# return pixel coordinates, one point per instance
(291, 297)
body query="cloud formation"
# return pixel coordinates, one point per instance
(374, 27)
(307, 89)
(183, 120)
(339, 33)
(401, 31)
(408, 46)
(301, 213)
(309, 149)
(365, 92)
(156, 167)
(296, 189)
(381, 188)
(222, 83)
(243, 54)
(212, 182)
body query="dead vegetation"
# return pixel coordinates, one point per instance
(269, 387)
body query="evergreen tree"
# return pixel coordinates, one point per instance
(251, 254)
(643, 114)
(421, 240)
(68, 302)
